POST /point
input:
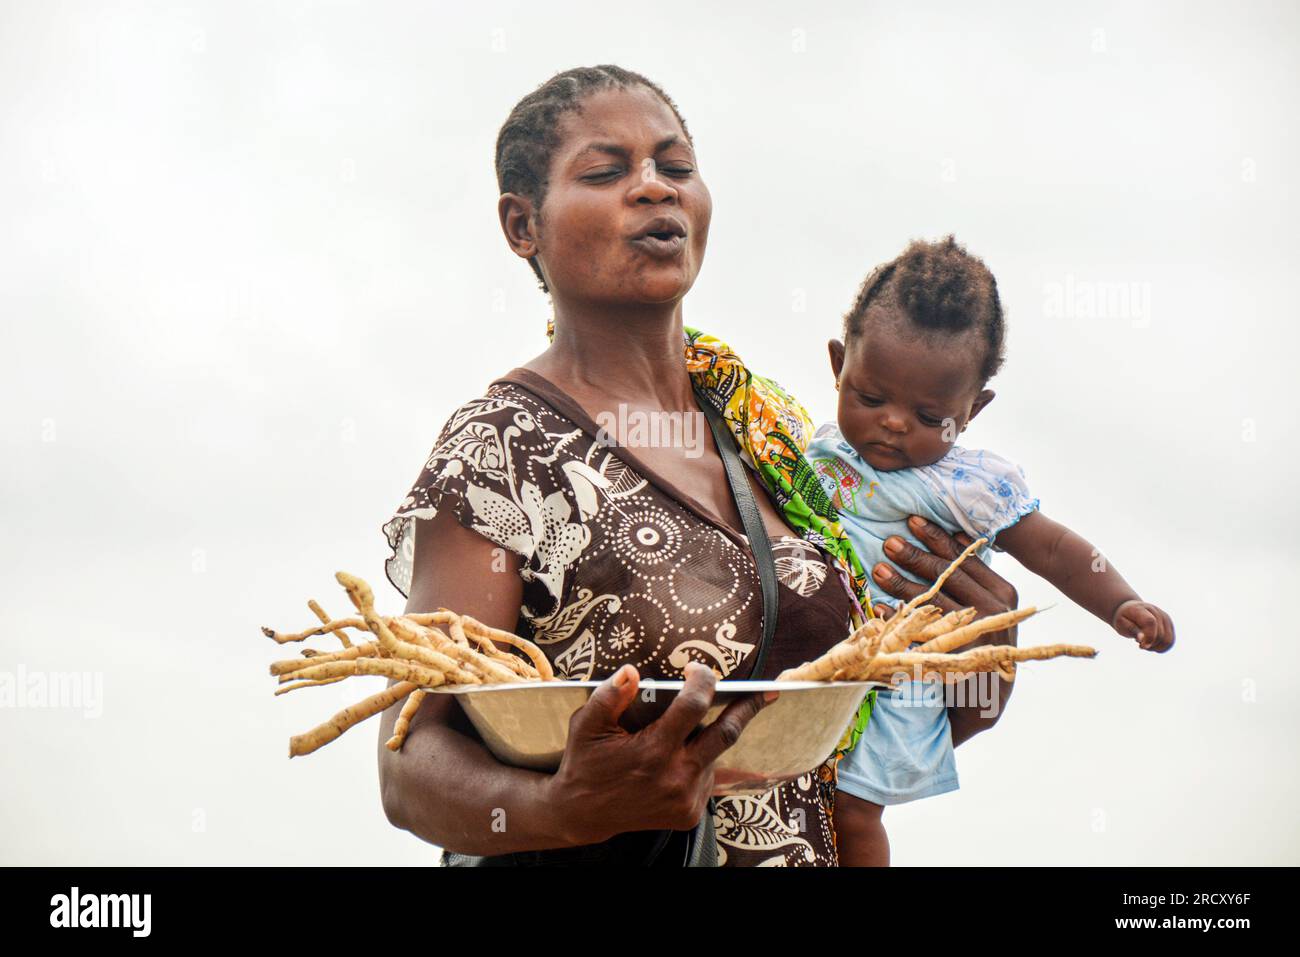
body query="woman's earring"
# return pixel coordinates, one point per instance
(837, 385)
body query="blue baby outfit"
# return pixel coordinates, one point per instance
(906, 752)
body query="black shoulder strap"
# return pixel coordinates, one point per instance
(754, 527)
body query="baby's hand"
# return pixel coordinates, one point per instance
(1151, 626)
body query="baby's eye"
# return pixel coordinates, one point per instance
(929, 421)
(870, 399)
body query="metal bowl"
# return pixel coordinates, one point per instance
(526, 725)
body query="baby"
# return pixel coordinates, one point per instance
(920, 343)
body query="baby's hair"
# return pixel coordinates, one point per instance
(939, 287)
(530, 134)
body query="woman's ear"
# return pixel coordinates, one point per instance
(516, 215)
(837, 357)
(981, 400)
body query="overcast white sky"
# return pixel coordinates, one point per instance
(252, 262)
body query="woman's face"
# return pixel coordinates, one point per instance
(626, 215)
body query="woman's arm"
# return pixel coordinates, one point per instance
(445, 787)
(981, 698)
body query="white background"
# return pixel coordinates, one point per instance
(251, 261)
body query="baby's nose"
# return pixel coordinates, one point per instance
(893, 423)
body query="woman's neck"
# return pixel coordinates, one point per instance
(632, 356)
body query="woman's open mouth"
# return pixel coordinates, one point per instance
(662, 238)
(660, 245)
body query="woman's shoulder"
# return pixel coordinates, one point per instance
(499, 462)
(498, 444)
(484, 432)
(502, 402)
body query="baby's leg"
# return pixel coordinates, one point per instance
(860, 836)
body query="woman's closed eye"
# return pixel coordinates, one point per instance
(614, 172)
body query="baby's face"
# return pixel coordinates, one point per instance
(904, 399)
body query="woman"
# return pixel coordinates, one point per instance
(620, 563)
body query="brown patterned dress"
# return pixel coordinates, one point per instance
(619, 567)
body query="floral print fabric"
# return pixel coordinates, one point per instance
(618, 567)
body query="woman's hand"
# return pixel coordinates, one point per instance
(612, 780)
(973, 585)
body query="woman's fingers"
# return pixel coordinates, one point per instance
(924, 564)
(895, 584)
(927, 566)
(941, 543)
(899, 586)
(935, 538)
(688, 709)
(726, 731)
(973, 584)
(607, 703)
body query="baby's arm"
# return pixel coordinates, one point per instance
(1078, 569)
